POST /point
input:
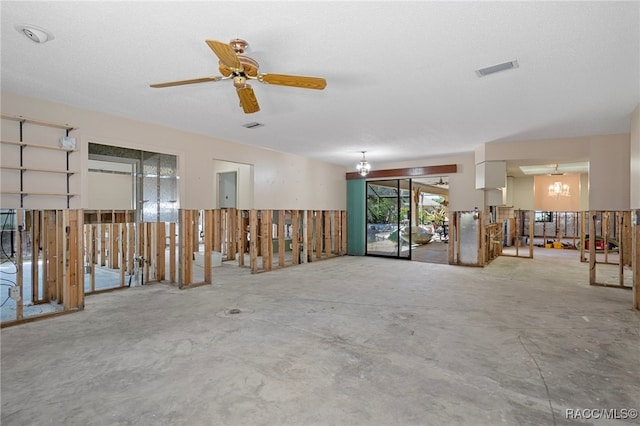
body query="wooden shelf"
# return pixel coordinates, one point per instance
(38, 122)
(37, 193)
(35, 169)
(34, 145)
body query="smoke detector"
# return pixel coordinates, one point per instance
(34, 33)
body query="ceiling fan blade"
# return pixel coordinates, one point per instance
(225, 53)
(248, 99)
(181, 82)
(293, 81)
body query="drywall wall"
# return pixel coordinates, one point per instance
(244, 181)
(567, 203)
(280, 180)
(634, 134)
(609, 178)
(110, 185)
(463, 195)
(522, 190)
(608, 156)
(45, 165)
(522, 193)
(113, 191)
(584, 192)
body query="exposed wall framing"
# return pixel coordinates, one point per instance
(609, 242)
(54, 240)
(466, 238)
(635, 254)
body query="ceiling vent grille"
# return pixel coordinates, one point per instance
(252, 125)
(497, 68)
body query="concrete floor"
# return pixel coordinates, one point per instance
(351, 340)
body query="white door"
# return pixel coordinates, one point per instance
(227, 189)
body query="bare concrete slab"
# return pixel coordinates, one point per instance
(351, 340)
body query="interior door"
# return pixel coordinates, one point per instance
(227, 190)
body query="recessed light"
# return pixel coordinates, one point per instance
(497, 68)
(34, 33)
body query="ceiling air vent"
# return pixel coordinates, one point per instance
(252, 125)
(497, 68)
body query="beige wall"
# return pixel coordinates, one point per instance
(522, 193)
(542, 200)
(635, 159)
(609, 176)
(463, 195)
(244, 182)
(111, 191)
(281, 181)
(522, 190)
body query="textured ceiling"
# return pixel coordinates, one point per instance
(401, 79)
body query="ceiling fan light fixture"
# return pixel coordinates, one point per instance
(363, 167)
(34, 33)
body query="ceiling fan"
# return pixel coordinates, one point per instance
(441, 182)
(234, 65)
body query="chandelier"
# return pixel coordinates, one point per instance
(559, 189)
(363, 166)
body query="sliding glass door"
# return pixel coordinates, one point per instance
(389, 218)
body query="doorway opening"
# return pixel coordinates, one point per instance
(432, 214)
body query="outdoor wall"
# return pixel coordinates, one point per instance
(609, 178)
(635, 159)
(463, 195)
(281, 181)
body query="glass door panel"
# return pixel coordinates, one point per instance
(389, 218)
(407, 230)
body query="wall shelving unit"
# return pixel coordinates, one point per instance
(25, 147)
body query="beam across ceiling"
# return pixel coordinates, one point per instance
(406, 172)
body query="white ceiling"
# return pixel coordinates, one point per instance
(401, 79)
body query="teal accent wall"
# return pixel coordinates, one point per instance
(356, 217)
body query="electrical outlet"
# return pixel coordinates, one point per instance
(14, 293)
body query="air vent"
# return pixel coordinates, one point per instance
(497, 68)
(252, 125)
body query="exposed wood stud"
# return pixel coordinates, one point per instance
(241, 234)
(35, 257)
(318, 236)
(253, 240)
(281, 239)
(295, 237)
(19, 264)
(208, 241)
(327, 232)
(172, 252)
